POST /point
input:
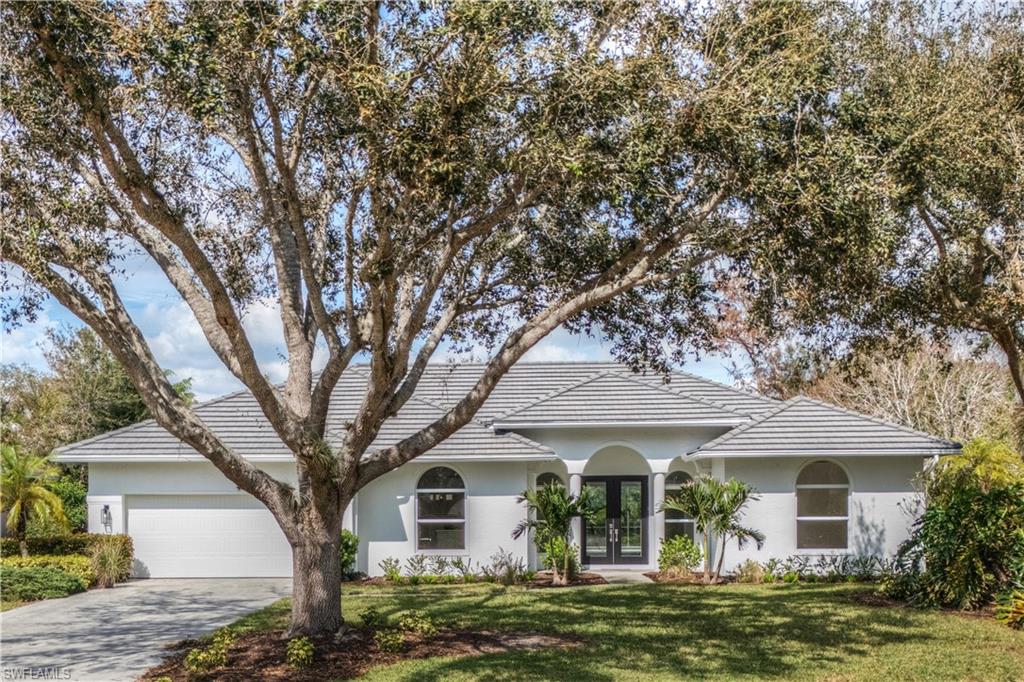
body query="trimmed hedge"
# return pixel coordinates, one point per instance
(77, 543)
(37, 582)
(73, 564)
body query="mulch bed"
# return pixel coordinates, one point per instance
(873, 598)
(684, 579)
(543, 579)
(261, 656)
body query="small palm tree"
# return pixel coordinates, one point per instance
(554, 509)
(733, 496)
(715, 508)
(23, 492)
(698, 500)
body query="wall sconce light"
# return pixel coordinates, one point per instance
(106, 519)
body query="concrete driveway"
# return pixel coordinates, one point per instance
(118, 634)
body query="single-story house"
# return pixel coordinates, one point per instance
(830, 480)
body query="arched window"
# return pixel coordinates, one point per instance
(549, 478)
(822, 506)
(440, 510)
(677, 523)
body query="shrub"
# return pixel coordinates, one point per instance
(555, 557)
(347, 549)
(416, 565)
(78, 543)
(37, 582)
(109, 561)
(300, 652)
(417, 622)
(391, 569)
(463, 567)
(203, 660)
(440, 565)
(389, 641)
(1011, 610)
(78, 566)
(504, 568)
(750, 571)
(678, 553)
(72, 495)
(966, 547)
(372, 618)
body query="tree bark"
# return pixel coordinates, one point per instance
(707, 557)
(316, 587)
(721, 559)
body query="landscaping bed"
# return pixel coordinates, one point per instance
(263, 655)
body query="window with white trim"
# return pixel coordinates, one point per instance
(440, 510)
(822, 506)
(677, 523)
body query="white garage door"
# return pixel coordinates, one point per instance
(206, 536)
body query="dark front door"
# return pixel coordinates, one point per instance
(618, 533)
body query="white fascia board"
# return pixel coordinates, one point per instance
(697, 454)
(141, 459)
(511, 426)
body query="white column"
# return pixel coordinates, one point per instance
(575, 488)
(658, 533)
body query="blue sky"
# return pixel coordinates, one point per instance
(179, 344)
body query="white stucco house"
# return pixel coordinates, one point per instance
(830, 481)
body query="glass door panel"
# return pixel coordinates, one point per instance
(631, 521)
(597, 528)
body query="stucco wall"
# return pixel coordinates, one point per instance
(386, 513)
(880, 491)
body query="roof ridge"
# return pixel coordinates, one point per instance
(734, 389)
(741, 428)
(877, 420)
(549, 396)
(629, 376)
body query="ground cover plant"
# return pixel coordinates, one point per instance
(795, 631)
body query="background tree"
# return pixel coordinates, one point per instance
(24, 494)
(942, 100)
(397, 176)
(936, 388)
(86, 392)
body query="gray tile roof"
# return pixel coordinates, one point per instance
(585, 393)
(612, 397)
(805, 427)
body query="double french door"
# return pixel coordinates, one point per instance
(618, 533)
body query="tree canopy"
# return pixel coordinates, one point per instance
(394, 176)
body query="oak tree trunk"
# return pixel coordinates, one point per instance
(316, 588)
(316, 576)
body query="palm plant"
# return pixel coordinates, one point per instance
(553, 511)
(24, 494)
(733, 496)
(698, 500)
(715, 508)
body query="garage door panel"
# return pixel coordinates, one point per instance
(193, 536)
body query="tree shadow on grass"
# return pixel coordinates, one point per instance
(673, 631)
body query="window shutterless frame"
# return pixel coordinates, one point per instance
(681, 525)
(844, 519)
(453, 521)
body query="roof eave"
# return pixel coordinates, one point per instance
(508, 426)
(732, 454)
(153, 459)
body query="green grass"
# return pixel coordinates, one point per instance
(634, 632)
(8, 605)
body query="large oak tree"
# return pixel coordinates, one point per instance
(398, 176)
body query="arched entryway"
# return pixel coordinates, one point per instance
(620, 533)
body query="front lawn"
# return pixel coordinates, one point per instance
(815, 632)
